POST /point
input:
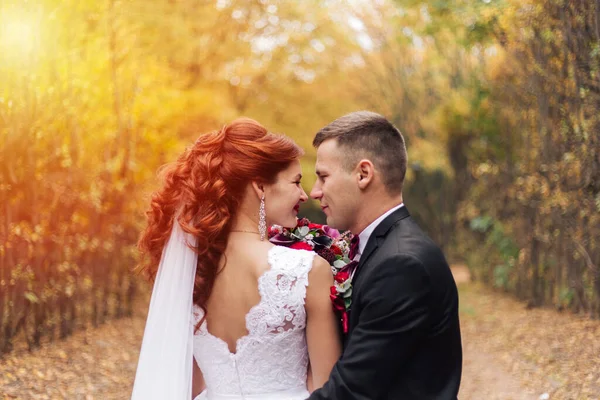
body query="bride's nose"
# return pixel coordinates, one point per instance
(303, 196)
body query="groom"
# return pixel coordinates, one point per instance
(404, 338)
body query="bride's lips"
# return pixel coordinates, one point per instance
(297, 208)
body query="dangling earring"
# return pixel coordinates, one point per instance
(262, 219)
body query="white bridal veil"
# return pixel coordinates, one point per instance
(165, 363)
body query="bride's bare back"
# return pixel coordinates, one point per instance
(235, 291)
(291, 324)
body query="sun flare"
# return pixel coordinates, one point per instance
(18, 35)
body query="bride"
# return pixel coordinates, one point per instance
(232, 316)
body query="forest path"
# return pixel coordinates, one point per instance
(510, 353)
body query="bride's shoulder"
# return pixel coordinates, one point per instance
(320, 270)
(300, 260)
(281, 252)
(320, 281)
(294, 260)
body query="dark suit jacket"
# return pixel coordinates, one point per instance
(404, 335)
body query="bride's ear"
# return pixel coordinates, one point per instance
(259, 189)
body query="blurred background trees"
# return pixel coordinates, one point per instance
(498, 101)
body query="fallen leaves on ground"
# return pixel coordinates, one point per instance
(552, 353)
(505, 343)
(92, 364)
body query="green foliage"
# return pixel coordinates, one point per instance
(499, 252)
(510, 89)
(540, 178)
(481, 224)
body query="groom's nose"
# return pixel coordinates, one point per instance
(316, 192)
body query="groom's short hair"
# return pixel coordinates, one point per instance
(365, 134)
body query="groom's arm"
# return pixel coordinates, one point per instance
(395, 315)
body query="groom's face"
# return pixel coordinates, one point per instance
(336, 187)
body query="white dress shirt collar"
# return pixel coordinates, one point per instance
(366, 233)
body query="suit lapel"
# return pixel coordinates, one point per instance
(377, 237)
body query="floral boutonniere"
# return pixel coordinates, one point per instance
(334, 247)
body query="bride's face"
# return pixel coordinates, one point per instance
(283, 198)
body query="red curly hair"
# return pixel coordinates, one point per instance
(203, 189)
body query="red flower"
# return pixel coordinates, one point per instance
(301, 246)
(342, 276)
(345, 322)
(315, 226)
(327, 254)
(339, 306)
(348, 268)
(337, 300)
(302, 222)
(336, 250)
(333, 295)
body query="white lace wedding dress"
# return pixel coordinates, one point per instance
(270, 362)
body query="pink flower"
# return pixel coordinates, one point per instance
(333, 233)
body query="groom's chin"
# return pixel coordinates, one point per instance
(330, 222)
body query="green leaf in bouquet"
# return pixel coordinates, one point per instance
(344, 286)
(303, 231)
(347, 302)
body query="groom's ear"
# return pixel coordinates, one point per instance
(365, 171)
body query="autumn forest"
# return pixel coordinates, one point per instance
(498, 100)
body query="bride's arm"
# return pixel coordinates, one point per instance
(309, 380)
(322, 336)
(197, 380)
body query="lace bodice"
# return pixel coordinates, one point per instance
(273, 356)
